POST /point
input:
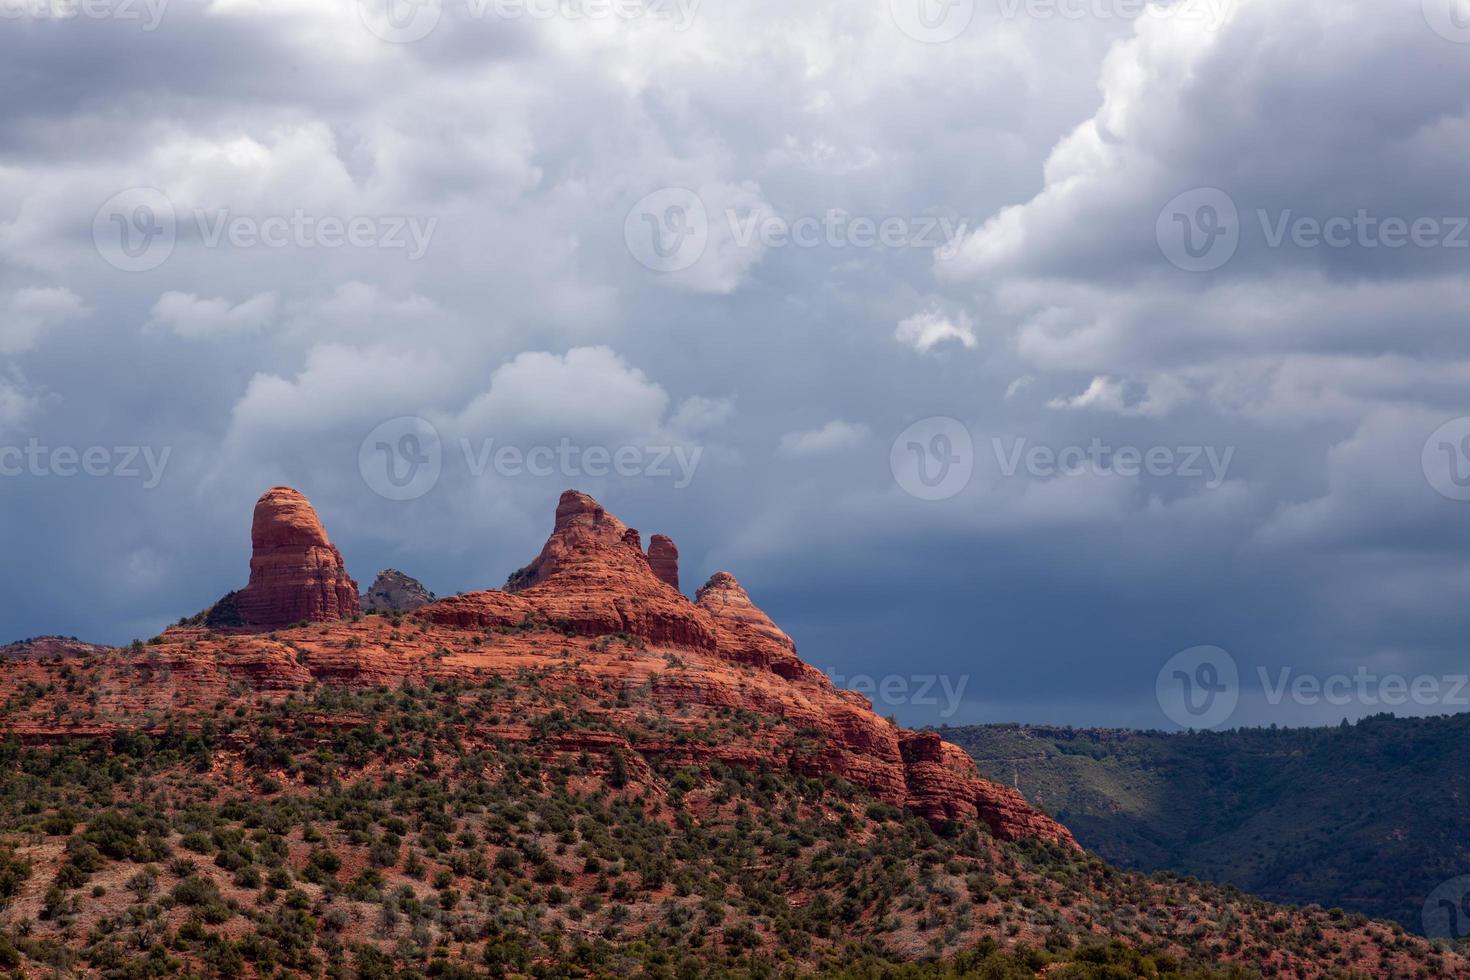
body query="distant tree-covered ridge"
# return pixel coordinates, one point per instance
(1371, 817)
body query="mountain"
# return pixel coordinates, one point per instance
(1368, 817)
(584, 773)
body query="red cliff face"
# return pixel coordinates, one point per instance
(295, 572)
(747, 635)
(663, 558)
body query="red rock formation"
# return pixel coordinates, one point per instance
(583, 530)
(295, 572)
(943, 785)
(663, 558)
(747, 635)
(593, 578)
(482, 610)
(616, 642)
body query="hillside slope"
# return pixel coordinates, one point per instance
(1368, 817)
(586, 773)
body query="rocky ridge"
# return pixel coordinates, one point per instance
(591, 611)
(592, 579)
(50, 648)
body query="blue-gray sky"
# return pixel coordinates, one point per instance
(792, 261)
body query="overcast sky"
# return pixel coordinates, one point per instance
(1003, 349)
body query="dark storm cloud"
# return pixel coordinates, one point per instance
(1023, 170)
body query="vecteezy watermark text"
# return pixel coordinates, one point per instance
(148, 13)
(136, 230)
(1365, 687)
(36, 459)
(1200, 688)
(1201, 229)
(1211, 14)
(940, 21)
(839, 229)
(406, 21)
(566, 458)
(302, 229)
(913, 690)
(934, 459)
(403, 458)
(1097, 458)
(670, 229)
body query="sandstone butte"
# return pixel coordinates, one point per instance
(296, 574)
(593, 614)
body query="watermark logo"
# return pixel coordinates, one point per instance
(1198, 230)
(1446, 459)
(134, 230)
(932, 21)
(148, 12)
(1199, 687)
(406, 21)
(400, 21)
(668, 230)
(933, 459)
(1450, 19)
(402, 458)
(1447, 910)
(36, 459)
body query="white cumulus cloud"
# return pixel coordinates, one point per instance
(835, 436)
(194, 318)
(927, 330)
(34, 310)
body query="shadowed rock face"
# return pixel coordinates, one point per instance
(663, 558)
(296, 574)
(393, 591)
